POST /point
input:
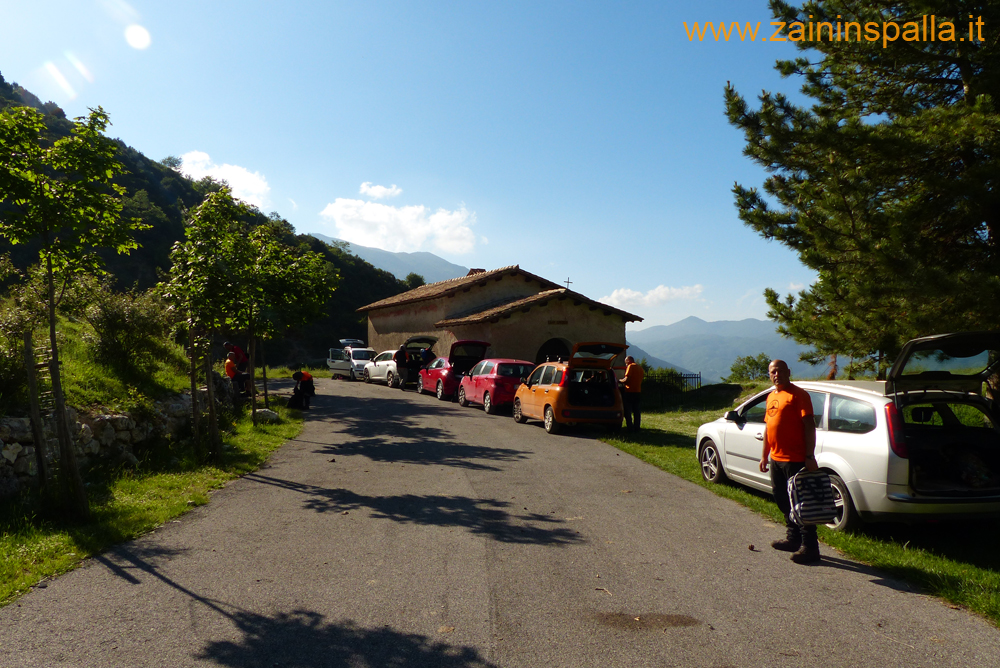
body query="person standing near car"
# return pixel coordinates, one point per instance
(632, 394)
(401, 359)
(240, 357)
(789, 446)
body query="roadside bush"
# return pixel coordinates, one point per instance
(13, 376)
(749, 369)
(129, 327)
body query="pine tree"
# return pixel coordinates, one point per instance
(886, 185)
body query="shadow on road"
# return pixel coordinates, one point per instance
(300, 638)
(488, 517)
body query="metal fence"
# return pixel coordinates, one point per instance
(660, 378)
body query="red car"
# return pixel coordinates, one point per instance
(493, 383)
(443, 374)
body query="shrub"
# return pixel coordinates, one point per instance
(129, 327)
(749, 369)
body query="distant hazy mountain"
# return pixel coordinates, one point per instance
(655, 362)
(428, 265)
(711, 347)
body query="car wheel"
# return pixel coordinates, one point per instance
(551, 426)
(420, 386)
(711, 463)
(847, 516)
(367, 376)
(440, 391)
(462, 401)
(390, 379)
(488, 406)
(518, 415)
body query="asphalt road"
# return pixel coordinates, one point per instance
(401, 531)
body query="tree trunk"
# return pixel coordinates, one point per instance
(253, 381)
(263, 371)
(215, 443)
(71, 484)
(37, 433)
(832, 368)
(195, 411)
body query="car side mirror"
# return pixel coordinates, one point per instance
(732, 416)
(524, 381)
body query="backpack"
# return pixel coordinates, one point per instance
(812, 498)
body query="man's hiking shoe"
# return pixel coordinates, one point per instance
(787, 545)
(806, 555)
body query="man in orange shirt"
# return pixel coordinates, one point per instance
(789, 446)
(236, 376)
(631, 394)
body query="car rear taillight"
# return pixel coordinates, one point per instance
(895, 423)
(564, 381)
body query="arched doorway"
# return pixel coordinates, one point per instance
(553, 349)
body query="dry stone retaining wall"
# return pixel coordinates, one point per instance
(95, 436)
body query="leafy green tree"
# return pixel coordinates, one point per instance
(749, 368)
(60, 196)
(414, 280)
(887, 184)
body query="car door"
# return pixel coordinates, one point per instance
(473, 388)
(541, 392)
(745, 441)
(336, 362)
(528, 398)
(481, 379)
(382, 366)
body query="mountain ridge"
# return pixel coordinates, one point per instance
(428, 265)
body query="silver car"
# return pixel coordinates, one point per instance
(349, 362)
(922, 444)
(382, 369)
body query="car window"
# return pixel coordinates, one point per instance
(515, 370)
(476, 370)
(383, 357)
(819, 405)
(535, 376)
(946, 413)
(547, 374)
(756, 411)
(362, 354)
(558, 377)
(851, 415)
(336, 354)
(437, 364)
(487, 367)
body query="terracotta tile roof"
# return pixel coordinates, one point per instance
(442, 288)
(494, 311)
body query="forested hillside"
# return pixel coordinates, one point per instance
(160, 196)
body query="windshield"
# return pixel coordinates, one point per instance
(362, 354)
(514, 370)
(597, 351)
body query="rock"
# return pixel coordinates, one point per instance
(177, 410)
(265, 415)
(22, 464)
(4, 430)
(124, 436)
(137, 434)
(10, 451)
(108, 435)
(128, 459)
(86, 434)
(121, 422)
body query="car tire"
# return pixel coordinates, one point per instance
(367, 376)
(420, 386)
(711, 462)
(462, 401)
(488, 407)
(516, 412)
(551, 426)
(390, 379)
(847, 516)
(440, 391)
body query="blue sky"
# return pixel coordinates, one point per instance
(581, 140)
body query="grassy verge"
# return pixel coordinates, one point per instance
(958, 561)
(286, 372)
(127, 504)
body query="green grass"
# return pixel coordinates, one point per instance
(87, 382)
(957, 561)
(286, 372)
(127, 504)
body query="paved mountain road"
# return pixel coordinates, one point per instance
(401, 531)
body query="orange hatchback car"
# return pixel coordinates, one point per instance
(583, 388)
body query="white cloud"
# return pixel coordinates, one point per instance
(295, 206)
(659, 295)
(404, 228)
(379, 192)
(250, 187)
(796, 286)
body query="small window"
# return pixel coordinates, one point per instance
(487, 367)
(819, 405)
(476, 370)
(383, 357)
(547, 374)
(536, 375)
(438, 363)
(558, 377)
(850, 415)
(756, 411)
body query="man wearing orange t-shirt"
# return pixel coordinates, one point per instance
(632, 394)
(789, 446)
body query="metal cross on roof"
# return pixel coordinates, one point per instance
(567, 281)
